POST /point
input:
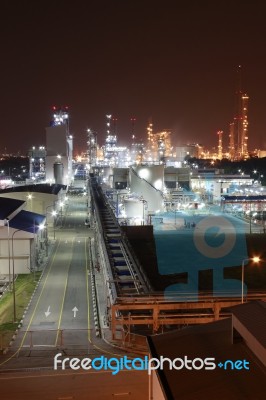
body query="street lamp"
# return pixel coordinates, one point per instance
(13, 277)
(54, 214)
(143, 209)
(46, 219)
(30, 197)
(9, 269)
(37, 229)
(255, 260)
(117, 204)
(175, 212)
(61, 204)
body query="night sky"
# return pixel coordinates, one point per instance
(172, 61)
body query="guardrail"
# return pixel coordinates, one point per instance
(53, 339)
(157, 312)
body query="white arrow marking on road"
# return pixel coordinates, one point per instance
(47, 312)
(75, 311)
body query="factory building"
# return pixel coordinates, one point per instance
(59, 148)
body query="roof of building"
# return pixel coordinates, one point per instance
(208, 340)
(41, 188)
(8, 206)
(227, 198)
(253, 316)
(27, 221)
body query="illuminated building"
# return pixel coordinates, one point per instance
(113, 154)
(59, 146)
(92, 147)
(159, 145)
(238, 137)
(37, 156)
(137, 153)
(231, 142)
(220, 144)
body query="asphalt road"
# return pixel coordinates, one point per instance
(59, 313)
(68, 385)
(59, 320)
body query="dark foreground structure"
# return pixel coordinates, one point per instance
(238, 346)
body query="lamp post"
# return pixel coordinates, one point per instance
(36, 245)
(46, 216)
(255, 260)
(8, 243)
(13, 277)
(117, 204)
(61, 204)
(143, 209)
(250, 217)
(50, 205)
(30, 197)
(54, 213)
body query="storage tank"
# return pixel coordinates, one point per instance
(133, 208)
(58, 172)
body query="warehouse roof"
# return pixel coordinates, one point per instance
(8, 206)
(27, 221)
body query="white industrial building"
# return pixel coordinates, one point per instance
(59, 149)
(22, 237)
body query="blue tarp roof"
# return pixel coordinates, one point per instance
(8, 206)
(27, 221)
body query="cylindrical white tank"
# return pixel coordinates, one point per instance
(58, 172)
(153, 174)
(147, 182)
(133, 208)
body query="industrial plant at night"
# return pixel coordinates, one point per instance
(133, 200)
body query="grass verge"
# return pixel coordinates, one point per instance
(24, 287)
